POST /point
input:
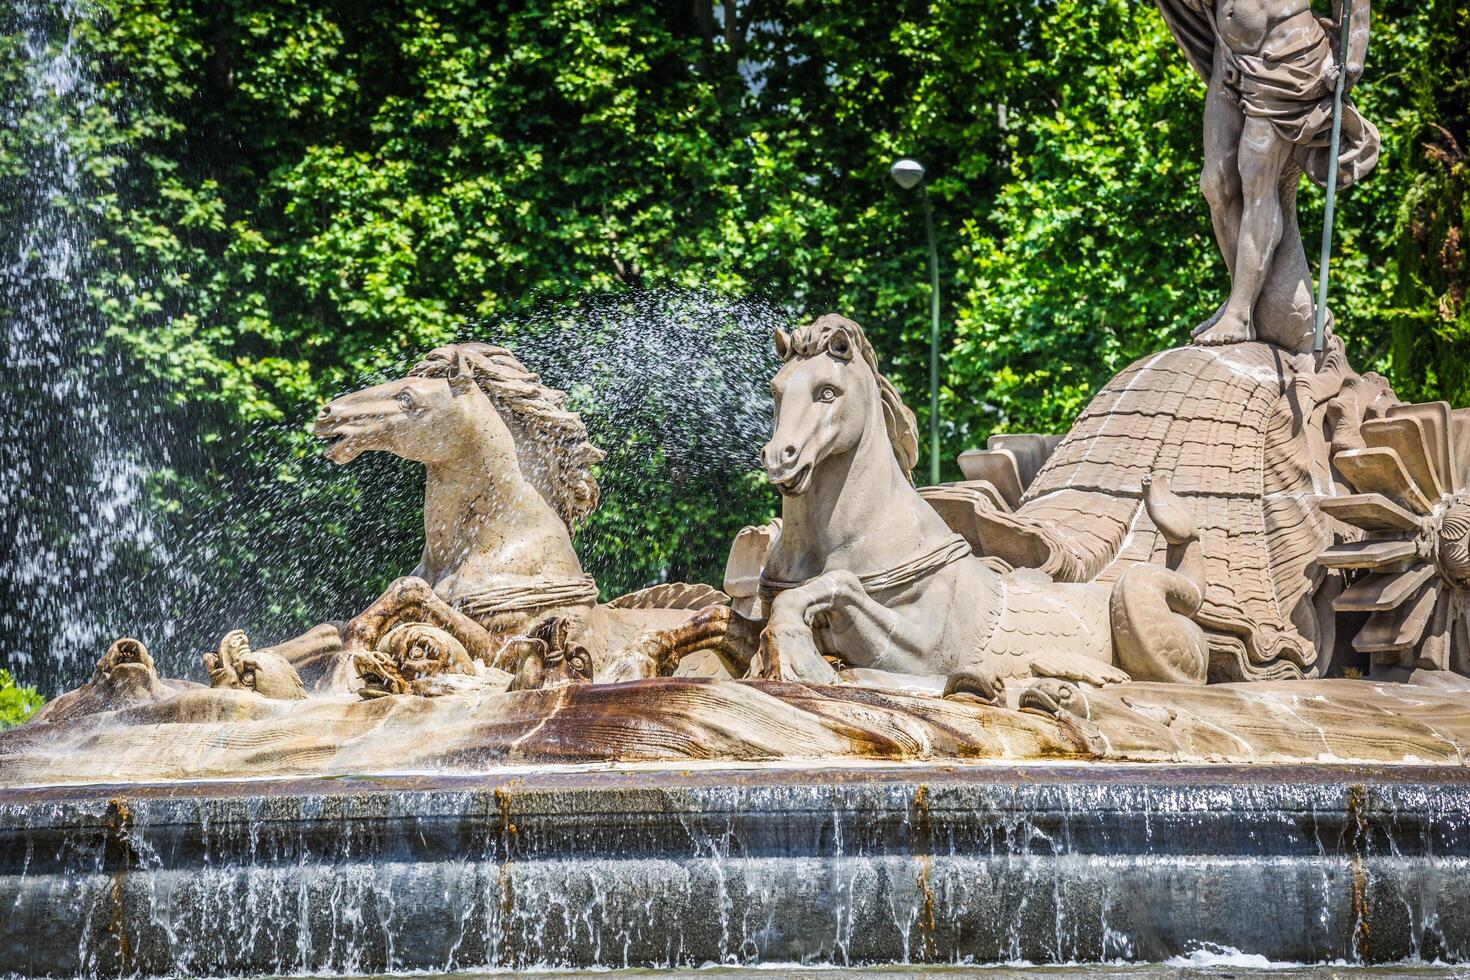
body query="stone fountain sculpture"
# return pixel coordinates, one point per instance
(1174, 579)
(1241, 552)
(866, 572)
(509, 478)
(1070, 600)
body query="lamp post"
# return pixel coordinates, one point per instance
(909, 174)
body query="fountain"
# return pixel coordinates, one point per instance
(1086, 704)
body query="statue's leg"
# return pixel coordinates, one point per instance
(1220, 178)
(1262, 155)
(788, 644)
(906, 643)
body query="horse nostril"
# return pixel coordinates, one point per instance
(788, 454)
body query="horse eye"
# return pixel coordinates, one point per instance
(406, 400)
(827, 393)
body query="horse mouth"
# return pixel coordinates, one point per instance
(339, 447)
(796, 484)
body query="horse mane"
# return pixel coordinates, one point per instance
(816, 338)
(551, 442)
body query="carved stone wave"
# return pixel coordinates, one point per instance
(215, 734)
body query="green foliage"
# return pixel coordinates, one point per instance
(17, 702)
(294, 197)
(1429, 320)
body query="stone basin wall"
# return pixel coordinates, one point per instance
(669, 867)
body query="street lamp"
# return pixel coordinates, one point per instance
(909, 174)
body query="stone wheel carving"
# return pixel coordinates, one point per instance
(1412, 503)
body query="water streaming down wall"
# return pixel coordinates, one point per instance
(73, 428)
(674, 869)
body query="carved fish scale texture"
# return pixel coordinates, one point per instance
(1036, 620)
(1220, 422)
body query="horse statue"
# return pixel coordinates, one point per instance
(864, 572)
(509, 477)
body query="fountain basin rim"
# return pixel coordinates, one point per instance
(717, 775)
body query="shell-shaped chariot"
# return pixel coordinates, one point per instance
(1326, 508)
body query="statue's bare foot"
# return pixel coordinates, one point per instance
(1229, 327)
(1213, 319)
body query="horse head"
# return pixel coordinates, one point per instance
(476, 408)
(828, 394)
(427, 418)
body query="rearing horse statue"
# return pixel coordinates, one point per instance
(508, 478)
(865, 573)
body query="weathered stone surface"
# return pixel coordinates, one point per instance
(206, 733)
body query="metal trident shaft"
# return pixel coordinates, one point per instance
(1320, 327)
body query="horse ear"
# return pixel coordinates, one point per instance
(783, 344)
(840, 345)
(461, 373)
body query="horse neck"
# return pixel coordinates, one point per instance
(861, 513)
(480, 506)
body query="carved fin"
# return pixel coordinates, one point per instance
(672, 595)
(1436, 652)
(1460, 447)
(1391, 630)
(998, 468)
(1370, 511)
(1030, 452)
(1375, 554)
(1406, 435)
(1434, 419)
(1380, 470)
(1383, 590)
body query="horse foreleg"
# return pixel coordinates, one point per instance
(788, 644)
(657, 653)
(413, 600)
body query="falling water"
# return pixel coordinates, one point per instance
(73, 475)
(674, 869)
(677, 378)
